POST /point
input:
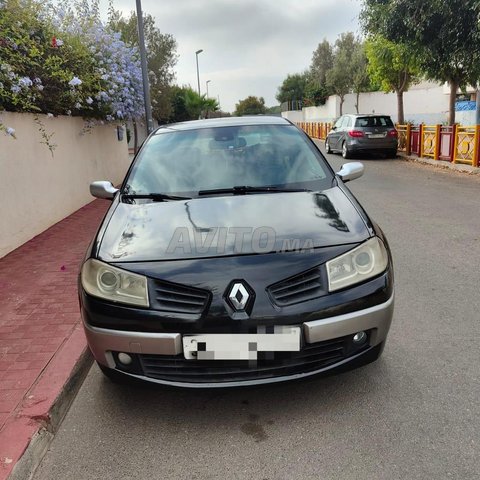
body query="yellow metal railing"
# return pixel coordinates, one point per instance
(456, 144)
(466, 145)
(404, 138)
(317, 130)
(429, 141)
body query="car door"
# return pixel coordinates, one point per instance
(346, 125)
(334, 135)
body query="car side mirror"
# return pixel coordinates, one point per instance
(351, 171)
(334, 127)
(103, 189)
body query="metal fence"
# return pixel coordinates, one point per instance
(317, 130)
(465, 148)
(291, 105)
(454, 144)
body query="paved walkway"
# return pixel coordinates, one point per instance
(456, 167)
(39, 312)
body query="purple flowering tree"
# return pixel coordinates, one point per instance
(66, 61)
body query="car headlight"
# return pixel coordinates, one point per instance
(102, 280)
(357, 265)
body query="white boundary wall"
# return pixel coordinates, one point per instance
(466, 118)
(38, 190)
(426, 102)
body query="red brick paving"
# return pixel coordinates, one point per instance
(39, 306)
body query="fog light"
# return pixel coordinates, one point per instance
(359, 338)
(125, 358)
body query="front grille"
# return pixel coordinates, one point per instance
(299, 288)
(315, 356)
(173, 297)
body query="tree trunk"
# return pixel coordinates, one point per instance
(135, 137)
(358, 101)
(400, 112)
(342, 99)
(453, 99)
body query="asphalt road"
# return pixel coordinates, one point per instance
(414, 414)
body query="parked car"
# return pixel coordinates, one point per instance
(353, 134)
(231, 255)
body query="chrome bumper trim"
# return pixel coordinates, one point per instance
(377, 318)
(101, 341)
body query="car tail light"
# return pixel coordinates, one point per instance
(392, 133)
(356, 133)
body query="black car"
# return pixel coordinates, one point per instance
(233, 255)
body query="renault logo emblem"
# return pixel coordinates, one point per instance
(239, 296)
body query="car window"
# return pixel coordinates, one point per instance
(377, 121)
(223, 157)
(347, 122)
(338, 123)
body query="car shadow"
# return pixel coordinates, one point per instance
(372, 156)
(251, 409)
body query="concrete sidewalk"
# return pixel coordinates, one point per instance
(42, 346)
(456, 167)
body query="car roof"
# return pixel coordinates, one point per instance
(366, 115)
(224, 122)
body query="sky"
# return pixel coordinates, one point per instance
(249, 46)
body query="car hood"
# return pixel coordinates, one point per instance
(230, 225)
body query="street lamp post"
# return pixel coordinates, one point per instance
(206, 83)
(198, 73)
(143, 61)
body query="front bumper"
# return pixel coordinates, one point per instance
(104, 343)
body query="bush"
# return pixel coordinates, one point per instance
(66, 61)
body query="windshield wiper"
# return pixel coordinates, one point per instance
(243, 190)
(156, 197)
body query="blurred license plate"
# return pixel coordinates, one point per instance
(240, 346)
(377, 135)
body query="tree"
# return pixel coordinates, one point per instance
(316, 90)
(179, 110)
(360, 77)
(315, 94)
(393, 66)
(250, 106)
(187, 104)
(339, 77)
(292, 88)
(276, 110)
(302, 88)
(197, 105)
(443, 33)
(161, 58)
(322, 62)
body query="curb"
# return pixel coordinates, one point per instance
(444, 165)
(27, 435)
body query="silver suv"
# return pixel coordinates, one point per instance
(362, 133)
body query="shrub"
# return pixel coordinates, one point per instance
(66, 61)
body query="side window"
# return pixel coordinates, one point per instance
(338, 123)
(347, 122)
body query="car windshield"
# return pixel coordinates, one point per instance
(188, 161)
(380, 121)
